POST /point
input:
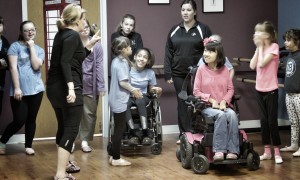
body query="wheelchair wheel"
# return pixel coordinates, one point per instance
(158, 128)
(110, 133)
(253, 161)
(178, 154)
(156, 149)
(186, 152)
(200, 164)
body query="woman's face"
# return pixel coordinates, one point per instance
(127, 26)
(141, 59)
(187, 13)
(29, 31)
(86, 31)
(81, 23)
(209, 56)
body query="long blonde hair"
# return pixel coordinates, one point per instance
(70, 15)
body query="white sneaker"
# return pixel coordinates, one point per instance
(2, 148)
(29, 151)
(289, 148)
(297, 153)
(265, 157)
(178, 142)
(120, 162)
(278, 160)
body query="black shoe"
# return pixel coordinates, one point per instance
(146, 141)
(134, 141)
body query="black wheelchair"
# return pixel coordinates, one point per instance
(154, 125)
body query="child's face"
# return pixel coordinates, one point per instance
(209, 56)
(127, 25)
(290, 45)
(261, 35)
(127, 51)
(141, 59)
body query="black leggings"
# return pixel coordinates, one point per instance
(184, 121)
(1, 98)
(24, 112)
(119, 128)
(268, 106)
(68, 120)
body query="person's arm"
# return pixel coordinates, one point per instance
(198, 86)
(36, 62)
(99, 69)
(168, 59)
(135, 91)
(230, 67)
(13, 67)
(253, 61)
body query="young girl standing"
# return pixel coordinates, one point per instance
(120, 90)
(292, 86)
(265, 60)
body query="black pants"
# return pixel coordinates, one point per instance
(24, 112)
(1, 99)
(119, 128)
(140, 104)
(268, 105)
(68, 120)
(184, 121)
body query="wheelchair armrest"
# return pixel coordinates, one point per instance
(236, 97)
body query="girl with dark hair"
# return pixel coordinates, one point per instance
(120, 89)
(184, 48)
(126, 28)
(26, 92)
(142, 77)
(292, 87)
(214, 86)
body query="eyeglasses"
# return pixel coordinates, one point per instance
(29, 30)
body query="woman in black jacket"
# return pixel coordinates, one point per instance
(184, 48)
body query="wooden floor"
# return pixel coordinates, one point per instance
(17, 166)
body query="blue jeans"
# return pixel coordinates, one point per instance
(226, 132)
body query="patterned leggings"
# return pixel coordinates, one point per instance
(293, 108)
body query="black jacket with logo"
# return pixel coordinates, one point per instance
(184, 48)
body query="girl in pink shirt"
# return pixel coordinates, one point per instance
(265, 60)
(214, 86)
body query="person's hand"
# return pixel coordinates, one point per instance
(170, 81)
(137, 93)
(215, 105)
(3, 63)
(71, 97)
(30, 43)
(257, 40)
(223, 105)
(101, 93)
(18, 94)
(157, 90)
(95, 38)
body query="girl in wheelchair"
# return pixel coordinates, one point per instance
(143, 78)
(214, 86)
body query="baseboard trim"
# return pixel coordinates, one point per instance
(167, 129)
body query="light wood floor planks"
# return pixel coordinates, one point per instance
(145, 166)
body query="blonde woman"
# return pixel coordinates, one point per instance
(64, 85)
